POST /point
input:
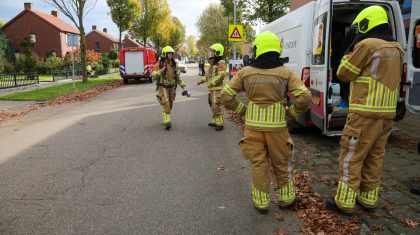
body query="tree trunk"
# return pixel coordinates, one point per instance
(83, 49)
(144, 41)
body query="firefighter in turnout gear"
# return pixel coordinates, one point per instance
(215, 77)
(373, 67)
(266, 83)
(168, 77)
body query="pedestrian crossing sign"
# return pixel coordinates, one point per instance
(236, 33)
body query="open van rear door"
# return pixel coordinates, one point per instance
(412, 99)
(320, 63)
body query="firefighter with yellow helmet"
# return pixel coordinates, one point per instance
(167, 78)
(373, 67)
(266, 83)
(215, 76)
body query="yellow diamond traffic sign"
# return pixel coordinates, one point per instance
(236, 33)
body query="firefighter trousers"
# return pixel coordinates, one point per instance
(215, 103)
(261, 146)
(361, 156)
(166, 97)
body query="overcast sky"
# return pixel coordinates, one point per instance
(187, 11)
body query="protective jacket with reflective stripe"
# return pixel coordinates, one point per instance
(215, 76)
(373, 69)
(266, 90)
(169, 77)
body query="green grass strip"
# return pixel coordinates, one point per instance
(49, 93)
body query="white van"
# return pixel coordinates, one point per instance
(315, 38)
(413, 61)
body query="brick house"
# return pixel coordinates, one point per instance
(130, 42)
(101, 41)
(47, 31)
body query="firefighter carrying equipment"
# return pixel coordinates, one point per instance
(166, 50)
(265, 126)
(218, 49)
(168, 77)
(369, 18)
(267, 42)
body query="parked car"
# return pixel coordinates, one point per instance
(182, 67)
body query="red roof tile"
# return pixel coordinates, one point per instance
(109, 36)
(58, 23)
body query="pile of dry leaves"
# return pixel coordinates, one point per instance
(317, 218)
(73, 97)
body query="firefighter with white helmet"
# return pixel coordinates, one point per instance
(266, 83)
(373, 67)
(215, 76)
(168, 77)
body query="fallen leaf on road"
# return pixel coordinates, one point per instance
(389, 209)
(278, 217)
(378, 227)
(221, 168)
(282, 231)
(409, 222)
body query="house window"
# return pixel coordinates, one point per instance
(33, 37)
(97, 46)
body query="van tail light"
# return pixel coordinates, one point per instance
(403, 87)
(306, 76)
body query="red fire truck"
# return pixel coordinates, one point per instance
(137, 63)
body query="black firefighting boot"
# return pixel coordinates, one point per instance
(332, 206)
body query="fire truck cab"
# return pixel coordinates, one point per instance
(315, 38)
(137, 63)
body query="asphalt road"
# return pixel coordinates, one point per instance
(107, 166)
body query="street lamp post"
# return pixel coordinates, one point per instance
(234, 22)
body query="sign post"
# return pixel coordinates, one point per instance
(73, 41)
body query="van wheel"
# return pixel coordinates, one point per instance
(125, 80)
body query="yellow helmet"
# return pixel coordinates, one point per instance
(266, 42)
(369, 18)
(218, 49)
(167, 49)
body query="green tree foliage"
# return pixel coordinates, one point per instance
(169, 32)
(153, 13)
(177, 34)
(212, 26)
(123, 12)
(76, 11)
(7, 54)
(191, 46)
(113, 55)
(28, 61)
(255, 10)
(2, 23)
(249, 33)
(3, 46)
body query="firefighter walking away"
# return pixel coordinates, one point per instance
(168, 77)
(373, 67)
(266, 83)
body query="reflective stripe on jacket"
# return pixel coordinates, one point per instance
(373, 69)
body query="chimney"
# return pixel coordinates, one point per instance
(28, 5)
(105, 30)
(93, 27)
(54, 13)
